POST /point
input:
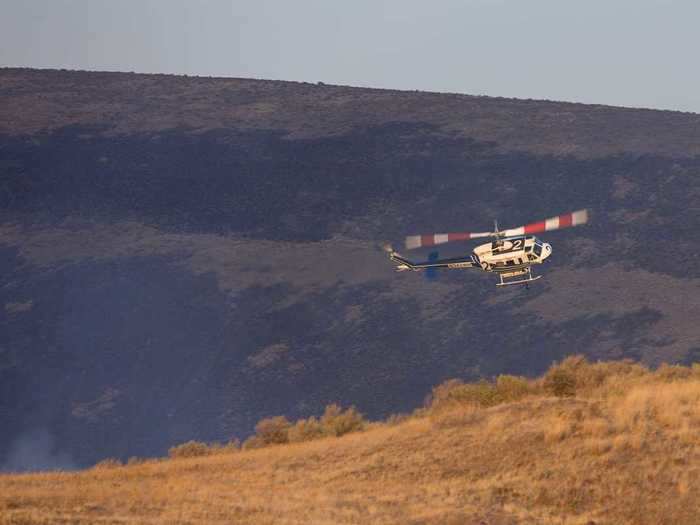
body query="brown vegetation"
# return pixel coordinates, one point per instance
(588, 443)
(278, 430)
(193, 449)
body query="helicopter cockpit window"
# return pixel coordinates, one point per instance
(538, 249)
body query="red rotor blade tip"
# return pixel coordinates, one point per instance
(565, 220)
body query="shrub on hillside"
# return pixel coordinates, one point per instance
(273, 430)
(190, 449)
(224, 448)
(305, 430)
(336, 422)
(107, 464)
(269, 431)
(442, 392)
(560, 381)
(252, 442)
(593, 376)
(575, 375)
(512, 388)
(563, 379)
(482, 394)
(453, 393)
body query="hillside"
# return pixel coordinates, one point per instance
(181, 257)
(623, 448)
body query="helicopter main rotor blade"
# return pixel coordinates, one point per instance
(567, 220)
(558, 222)
(419, 241)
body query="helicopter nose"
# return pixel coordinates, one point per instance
(547, 250)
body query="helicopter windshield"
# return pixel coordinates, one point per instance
(538, 249)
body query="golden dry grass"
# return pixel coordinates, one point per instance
(626, 451)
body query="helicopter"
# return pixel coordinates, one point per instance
(510, 255)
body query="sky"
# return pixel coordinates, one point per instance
(641, 53)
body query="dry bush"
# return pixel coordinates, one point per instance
(252, 442)
(483, 394)
(562, 378)
(269, 431)
(225, 448)
(603, 379)
(278, 430)
(575, 375)
(190, 449)
(336, 422)
(442, 392)
(513, 388)
(108, 463)
(454, 393)
(273, 430)
(560, 382)
(305, 430)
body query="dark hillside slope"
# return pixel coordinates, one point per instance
(182, 256)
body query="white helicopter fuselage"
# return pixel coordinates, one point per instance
(511, 254)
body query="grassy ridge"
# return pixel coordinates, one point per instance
(586, 443)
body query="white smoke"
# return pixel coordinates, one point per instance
(34, 450)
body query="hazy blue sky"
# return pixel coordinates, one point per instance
(626, 52)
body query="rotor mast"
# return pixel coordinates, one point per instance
(496, 233)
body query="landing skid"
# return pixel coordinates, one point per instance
(511, 278)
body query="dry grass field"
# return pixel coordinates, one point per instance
(604, 443)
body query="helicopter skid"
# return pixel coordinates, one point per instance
(527, 280)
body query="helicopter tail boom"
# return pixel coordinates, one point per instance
(404, 264)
